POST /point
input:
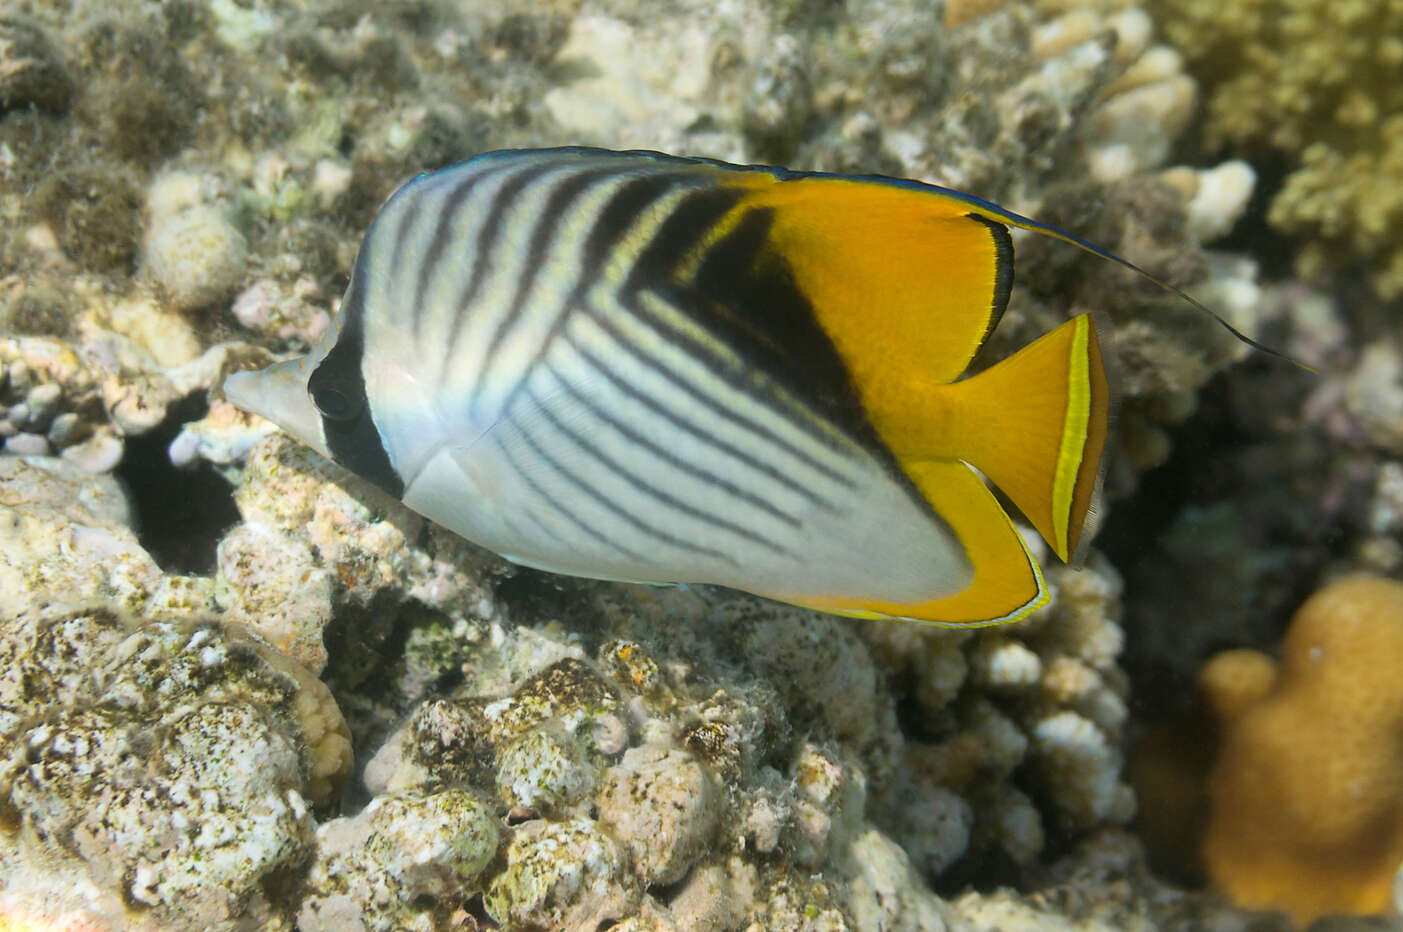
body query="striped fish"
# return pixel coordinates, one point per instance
(632, 366)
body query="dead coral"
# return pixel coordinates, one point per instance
(169, 761)
(401, 863)
(95, 211)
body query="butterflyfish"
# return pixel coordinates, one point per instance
(641, 367)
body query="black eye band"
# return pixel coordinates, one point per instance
(337, 397)
(333, 401)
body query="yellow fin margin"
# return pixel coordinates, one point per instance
(1074, 434)
(1096, 428)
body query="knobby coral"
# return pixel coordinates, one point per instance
(1306, 796)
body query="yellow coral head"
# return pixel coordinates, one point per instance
(1307, 794)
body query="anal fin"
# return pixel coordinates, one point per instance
(1007, 583)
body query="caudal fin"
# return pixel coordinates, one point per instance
(1035, 425)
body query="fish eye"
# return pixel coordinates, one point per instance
(333, 403)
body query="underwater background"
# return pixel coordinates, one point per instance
(241, 688)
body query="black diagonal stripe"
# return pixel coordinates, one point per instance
(604, 500)
(751, 302)
(555, 505)
(720, 410)
(484, 249)
(443, 235)
(678, 235)
(619, 215)
(541, 525)
(1003, 271)
(676, 462)
(745, 299)
(405, 217)
(755, 306)
(615, 219)
(547, 226)
(676, 420)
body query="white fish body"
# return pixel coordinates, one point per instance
(553, 354)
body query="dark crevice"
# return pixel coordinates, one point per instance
(530, 593)
(985, 871)
(666, 893)
(1252, 234)
(1220, 542)
(531, 596)
(369, 672)
(180, 513)
(476, 911)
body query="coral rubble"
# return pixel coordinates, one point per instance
(177, 763)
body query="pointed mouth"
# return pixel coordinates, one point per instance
(279, 394)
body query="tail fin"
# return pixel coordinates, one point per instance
(1035, 425)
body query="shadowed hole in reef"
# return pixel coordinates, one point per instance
(666, 893)
(1214, 546)
(985, 871)
(530, 593)
(1252, 234)
(180, 513)
(476, 911)
(375, 681)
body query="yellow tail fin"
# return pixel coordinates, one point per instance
(1036, 424)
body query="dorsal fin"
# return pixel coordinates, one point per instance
(902, 281)
(999, 214)
(907, 285)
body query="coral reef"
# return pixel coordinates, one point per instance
(1317, 83)
(317, 545)
(194, 255)
(653, 780)
(1297, 490)
(1103, 885)
(173, 763)
(1282, 784)
(68, 534)
(32, 69)
(52, 404)
(535, 751)
(406, 861)
(690, 788)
